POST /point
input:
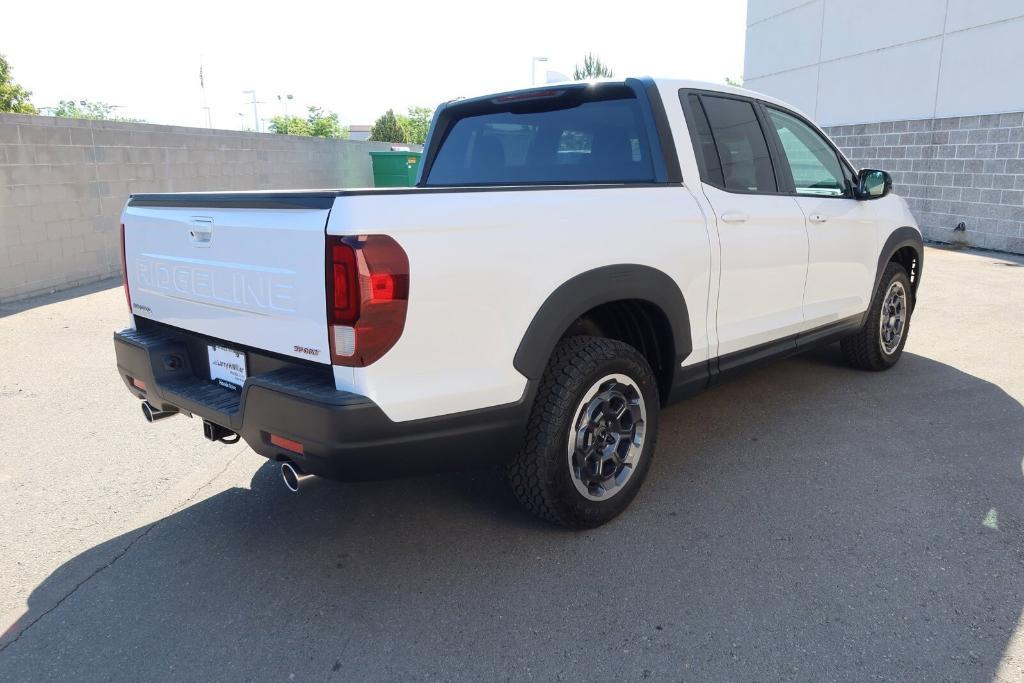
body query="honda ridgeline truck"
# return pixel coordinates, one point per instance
(573, 259)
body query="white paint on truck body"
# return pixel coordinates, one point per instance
(256, 279)
(481, 264)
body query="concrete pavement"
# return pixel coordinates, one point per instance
(805, 521)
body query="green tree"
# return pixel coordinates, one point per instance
(14, 99)
(317, 124)
(387, 128)
(289, 125)
(592, 68)
(323, 125)
(735, 82)
(84, 109)
(416, 124)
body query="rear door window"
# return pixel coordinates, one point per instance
(562, 139)
(733, 147)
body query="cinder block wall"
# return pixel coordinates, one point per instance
(966, 169)
(63, 183)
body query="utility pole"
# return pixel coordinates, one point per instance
(255, 109)
(202, 88)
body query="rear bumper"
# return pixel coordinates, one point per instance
(343, 435)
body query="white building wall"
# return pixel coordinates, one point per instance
(844, 63)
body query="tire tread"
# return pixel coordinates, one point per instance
(530, 473)
(863, 349)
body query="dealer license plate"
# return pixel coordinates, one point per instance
(227, 367)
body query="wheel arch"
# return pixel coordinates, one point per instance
(902, 242)
(592, 289)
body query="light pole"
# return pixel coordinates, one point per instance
(202, 89)
(255, 109)
(285, 99)
(533, 68)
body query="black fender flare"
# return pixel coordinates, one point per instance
(901, 237)
(592, 288)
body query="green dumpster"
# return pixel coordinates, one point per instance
(395, 169)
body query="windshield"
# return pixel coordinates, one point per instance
(550, 140)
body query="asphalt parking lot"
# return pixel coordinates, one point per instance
(804, 521)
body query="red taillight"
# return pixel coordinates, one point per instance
(345, 280)
(382, 287)
(124, 272)
(367, 295)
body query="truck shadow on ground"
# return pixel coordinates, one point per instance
(805, 521)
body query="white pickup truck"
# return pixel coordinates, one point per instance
(573, 259)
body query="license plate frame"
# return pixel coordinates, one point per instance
(228, 367)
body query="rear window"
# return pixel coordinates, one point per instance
(562, 138)
(743, 159)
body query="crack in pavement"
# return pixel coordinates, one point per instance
(124, 550)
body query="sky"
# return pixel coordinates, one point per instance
(357, 59)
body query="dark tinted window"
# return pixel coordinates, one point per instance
(550, 140)
(742, 151)
(704, 144)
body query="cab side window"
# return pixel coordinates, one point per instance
(732, 145)
(813, 163)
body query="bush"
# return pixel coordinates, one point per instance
(317, 125)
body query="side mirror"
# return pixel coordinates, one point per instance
(873, 184)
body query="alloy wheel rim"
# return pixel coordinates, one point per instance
(893, 320)
(606, 437)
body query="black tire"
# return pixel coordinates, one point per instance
(865, 349)
(541, 476)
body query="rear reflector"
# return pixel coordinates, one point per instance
(287, 444)
(139, 384)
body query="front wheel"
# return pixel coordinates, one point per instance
(879, 344)
(591, 434)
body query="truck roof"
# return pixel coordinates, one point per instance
(664, 84)
(678, 83)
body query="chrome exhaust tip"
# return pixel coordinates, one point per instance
(152, 413)
(293, 476)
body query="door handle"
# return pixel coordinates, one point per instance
(734, 217)
(201, 231)
(818, 218)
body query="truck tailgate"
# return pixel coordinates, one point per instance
(254, 276)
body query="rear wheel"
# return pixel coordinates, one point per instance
(879, 344)
(591, 434)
